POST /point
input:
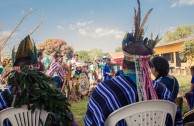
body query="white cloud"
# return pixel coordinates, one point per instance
(182, 3)
(84, 28)
(60, 27)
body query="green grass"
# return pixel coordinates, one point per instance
(79, 108)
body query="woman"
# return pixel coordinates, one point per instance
(160, 69)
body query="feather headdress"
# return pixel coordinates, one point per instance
(26, 53)
(144, 85)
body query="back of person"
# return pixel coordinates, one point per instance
(114, 94)
(160, 69)
(172, 84)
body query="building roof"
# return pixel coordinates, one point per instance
(114, 55)
(175, 42)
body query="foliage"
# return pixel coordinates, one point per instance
(89, 55)
(118, 49)
(51, 46)
(31, 87)
(178, 33)
(83, 55)
(95, 53)
(187, 52)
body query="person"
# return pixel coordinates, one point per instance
(40, 66)
(22, 60)
(160, 69)
(106, 70)
(190, 95)
(119, 72)
(56, 71)
(129, 88)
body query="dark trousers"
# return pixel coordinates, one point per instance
(58, 83)
(190, 99)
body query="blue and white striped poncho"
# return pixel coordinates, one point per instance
(115, 93)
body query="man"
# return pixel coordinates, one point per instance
(126, 89)
(40, 66)
(106, 70)
(56, 71)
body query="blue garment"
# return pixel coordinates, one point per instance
(119, 73)
(104, 70)
(192, 80)
(115, 93)
(171, 84)
(58, 83)
(78, 72)
(5, 102)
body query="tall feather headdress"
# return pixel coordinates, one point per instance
(26, 53)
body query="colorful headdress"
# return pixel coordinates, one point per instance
(26, 53)
(143, 75)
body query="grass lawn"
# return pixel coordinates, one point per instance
(79, 108)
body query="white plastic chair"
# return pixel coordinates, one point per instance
(145, 113)
(23, 117)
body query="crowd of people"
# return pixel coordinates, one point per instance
(113, 89)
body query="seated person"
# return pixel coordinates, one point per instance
(160, 69)
(190, 95)
(118, 92)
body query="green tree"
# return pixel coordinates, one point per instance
(118, 49)
(187, 52)
(95, 53)
(83, 55)
(178, 33)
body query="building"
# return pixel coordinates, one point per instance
(171, 52)
(116, 57)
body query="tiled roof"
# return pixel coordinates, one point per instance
(114, 55)
(174, 42)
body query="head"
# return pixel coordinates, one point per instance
(40, 55)
(159, 67)
(56, 57)
(192, 70)
(108, 60)
(137, 48)
(76, 57)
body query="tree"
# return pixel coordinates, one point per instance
(95, 53)
(187, 52)
(118, 49)
(51, 46)
(178, 33)
(89, 56)
(83, 55)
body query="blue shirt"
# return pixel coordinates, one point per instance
(171, 84)
(104, 70)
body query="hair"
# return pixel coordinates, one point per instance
(75, 55)
(161, 65)
(55, 56)
(192, 70)
(138, 48)
(39, 53)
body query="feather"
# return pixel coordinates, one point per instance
(13, 55)
(35, 55)
(144, 21)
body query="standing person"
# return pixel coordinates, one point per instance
(40, 64)
(190, 95)
(56, 71)
(106, 70)
(118, 92)
(160, 69)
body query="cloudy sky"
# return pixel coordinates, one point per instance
(87, 24)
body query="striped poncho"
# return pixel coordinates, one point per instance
(56, 67)
(115, 93)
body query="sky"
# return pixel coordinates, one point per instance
(88, 24)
